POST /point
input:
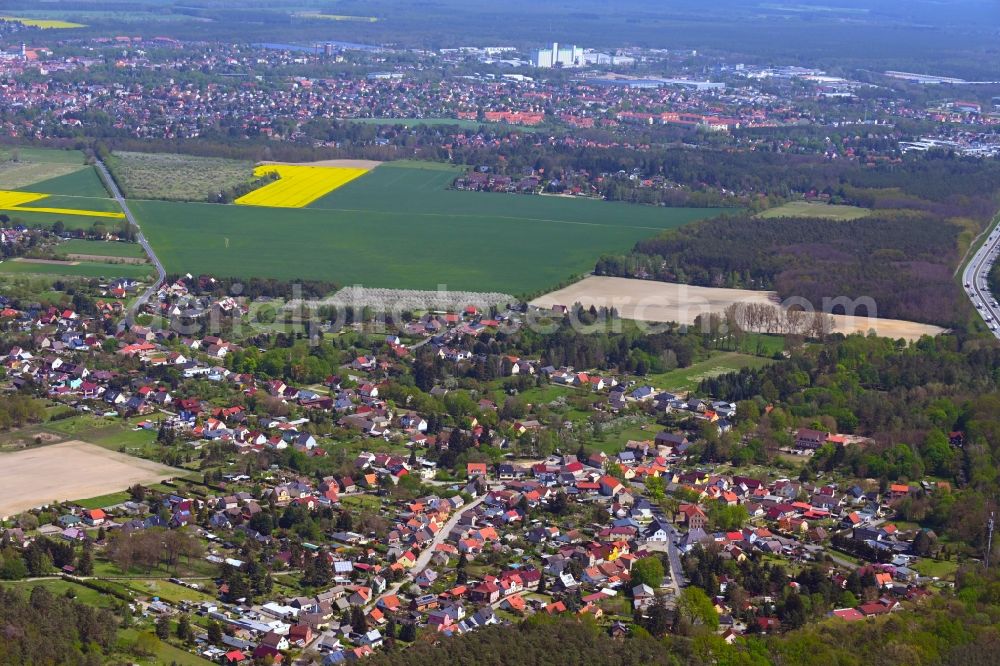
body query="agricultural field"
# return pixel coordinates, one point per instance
(17, 175)
(31, 218)
(101, 249)
(399, 227)
(298, 185)
(61, 188)
(68, 471)
(45, 24)
(335, 17)
(24, 202)
(10, 200)
(177, 177)
(82, 182)
(90, 269)
(664, 302)
(824, 211)
(49, 171)
(50, 155)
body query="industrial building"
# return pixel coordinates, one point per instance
(558, 56)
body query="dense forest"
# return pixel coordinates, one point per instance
(903, 262)
(41, 628)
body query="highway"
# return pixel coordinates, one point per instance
(974, 281)
(161, 273)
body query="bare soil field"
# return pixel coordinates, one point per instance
(68, 471)
(349, 164)
(54, 262)
(645, 300)
(106, 259)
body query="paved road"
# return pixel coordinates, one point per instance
(425, 555)
(974, 281)
(161, 273)
(673, 553)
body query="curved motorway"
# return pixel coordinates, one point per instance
(974, 280)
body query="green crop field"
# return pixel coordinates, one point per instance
(82, 182)
(80, 269)
(52, 155)
(101, 248)
(49, 172)
(399, 227)
(102, 204)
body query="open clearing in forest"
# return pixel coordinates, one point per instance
(807, 209)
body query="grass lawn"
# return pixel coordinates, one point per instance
(101, 248)
(540, 395)
(169, 592)
(806, 209)
(762, 344)
(165, 652)
(936, 568)
(93, 269)
(60, 587)
(369, 502)
(108, 433)
(614, 441)
(398, 227)
(102, 501)
(720, 363)
(184, 569)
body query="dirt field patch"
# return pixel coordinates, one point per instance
(645, 300)
(68, 471)
(54, 262)
(349, 164)
(106, 259)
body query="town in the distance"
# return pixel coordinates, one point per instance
(423, 333)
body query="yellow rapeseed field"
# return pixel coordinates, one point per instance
(298, 186)
(46, 24)
(10, 200)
